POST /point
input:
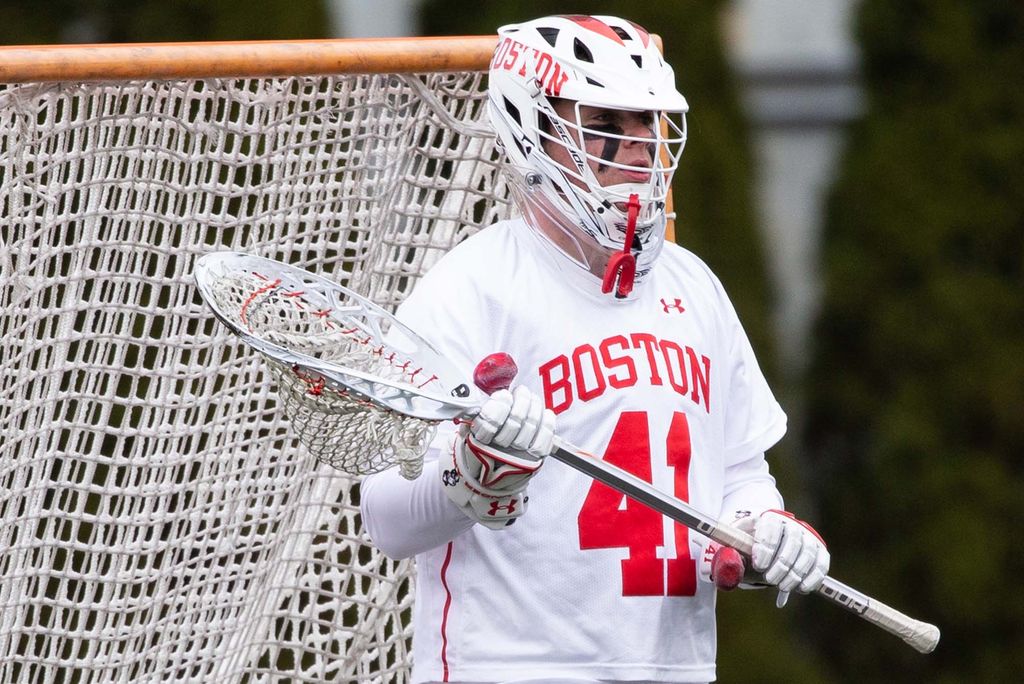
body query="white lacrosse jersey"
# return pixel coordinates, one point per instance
(587, 583)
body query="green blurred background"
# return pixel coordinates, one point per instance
(903, 372)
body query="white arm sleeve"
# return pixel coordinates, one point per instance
(406, 517)
(749, 487)
(403, 517)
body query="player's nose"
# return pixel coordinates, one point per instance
(639, 149)
(640, 127)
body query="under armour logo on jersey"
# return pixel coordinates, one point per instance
(450, 478)
(675, 306)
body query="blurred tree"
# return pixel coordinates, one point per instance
(714, 203)
(917, 390)
(132, 21)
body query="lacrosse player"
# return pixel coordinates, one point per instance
(631, 346)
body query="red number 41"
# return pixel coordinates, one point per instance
(610, 520)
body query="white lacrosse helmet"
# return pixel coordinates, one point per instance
(593, 61)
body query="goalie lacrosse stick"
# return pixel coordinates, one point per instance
(364, 392)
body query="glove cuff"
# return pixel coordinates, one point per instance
(486, 482)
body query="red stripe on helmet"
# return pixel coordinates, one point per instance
(645, 37)
(595, 25)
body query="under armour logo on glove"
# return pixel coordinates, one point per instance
(675, 306)
(494, 457)
(496, 505)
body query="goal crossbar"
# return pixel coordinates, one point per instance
(45, 63)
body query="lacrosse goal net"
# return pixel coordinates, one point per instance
(157, 520)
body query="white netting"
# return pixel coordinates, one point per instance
(158, 521)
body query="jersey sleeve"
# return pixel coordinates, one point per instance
(443, 312)
(754, 420)
(749, 487)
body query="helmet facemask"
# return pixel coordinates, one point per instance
(583, 107)
(583, 175)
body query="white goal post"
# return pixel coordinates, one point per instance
(157, 520)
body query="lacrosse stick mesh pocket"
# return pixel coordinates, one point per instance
(340, 428)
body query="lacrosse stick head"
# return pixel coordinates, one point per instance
(362, 391)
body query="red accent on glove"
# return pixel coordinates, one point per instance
(803, 523)
(727, 568)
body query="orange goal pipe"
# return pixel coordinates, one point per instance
(159, 61)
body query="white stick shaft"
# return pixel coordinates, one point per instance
(921, 635)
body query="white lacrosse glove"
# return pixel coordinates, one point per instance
(495, 456)
(787, 553)
(790, 554)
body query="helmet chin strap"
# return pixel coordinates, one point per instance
(622, 266)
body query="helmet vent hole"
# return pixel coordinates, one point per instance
(594, 83)
(581, 51)
(549, 33)
(513, 111)
(621, 33)
(639, 60)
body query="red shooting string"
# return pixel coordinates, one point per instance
(316, 386)
(252, 298)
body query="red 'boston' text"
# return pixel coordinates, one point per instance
(621, 361)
